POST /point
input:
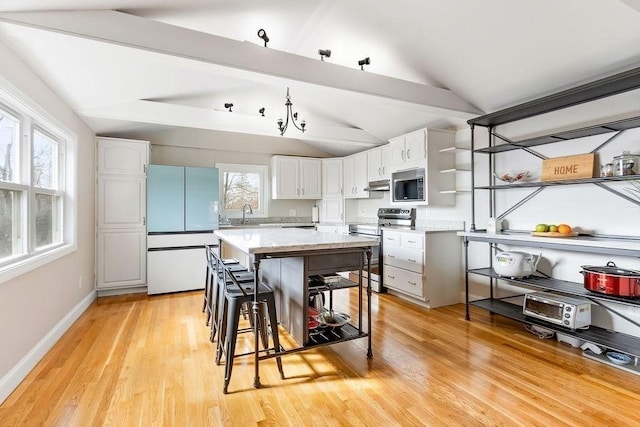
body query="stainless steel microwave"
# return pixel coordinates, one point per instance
(408, 186)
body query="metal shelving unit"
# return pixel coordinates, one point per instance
(613, 245)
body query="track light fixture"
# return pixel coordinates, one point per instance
(363, 62)
(263, 35)
(228, 105)
(323, 53)
(282, 125)
(261, 111)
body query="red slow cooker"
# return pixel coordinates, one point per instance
(612, 280)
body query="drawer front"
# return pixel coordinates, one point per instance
(403, 281)
(391, 238)
(407, 258)
(412, 240)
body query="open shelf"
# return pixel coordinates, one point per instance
(616, 126)
(609, 245)
(601, 88)
(611, 340)
(556, 285)
(315, 285)
(333, 335)
(563, 182)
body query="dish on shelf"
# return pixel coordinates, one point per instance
(333, 318)
(512, 176)
(553, 234)
(618, 358)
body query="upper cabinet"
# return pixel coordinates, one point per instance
(122, 156)
(355, 176)
(296, 178)
(378, 163)
(332, 177)
(408, 150)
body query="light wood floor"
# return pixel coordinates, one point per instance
(147, 361)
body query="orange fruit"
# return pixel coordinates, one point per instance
(564, 229)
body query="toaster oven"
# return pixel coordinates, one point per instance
(562, 310)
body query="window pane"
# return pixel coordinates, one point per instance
(8, 147)
(45, 151)
(47, 220)
(240, 188)
(9, 223)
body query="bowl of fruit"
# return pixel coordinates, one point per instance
(512, 176)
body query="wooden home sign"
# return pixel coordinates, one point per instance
(570, 167)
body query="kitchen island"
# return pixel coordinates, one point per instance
(286, 260)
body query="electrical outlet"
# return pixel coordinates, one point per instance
(292, 212)
(80, 282)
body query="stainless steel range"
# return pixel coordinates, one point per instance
(387, 217)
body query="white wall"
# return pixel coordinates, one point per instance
(205, 148)
(37, 306)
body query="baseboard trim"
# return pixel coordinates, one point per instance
(19, 372)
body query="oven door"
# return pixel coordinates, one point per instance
(376, 274)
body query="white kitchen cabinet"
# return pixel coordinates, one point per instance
(121, 201)
(332, 209)
(121, 214)
(355, 176)
(332, 177)
(378, 163)
(422, 266)
(296, 178)
(122, 156)
(408, 150)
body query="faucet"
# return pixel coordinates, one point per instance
(244, 211)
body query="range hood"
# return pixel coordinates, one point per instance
(380, 185)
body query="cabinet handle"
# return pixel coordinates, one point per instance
(411, 241)
(390, 276)
(383, 170)
(411, 283)
(402, 154)
(391, 256)
(379, 171)
(303, 191)
(297, 191)
(411, 260)
(408, 155)
(341, 191)
(144, 220)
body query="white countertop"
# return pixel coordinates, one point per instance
(265, 240)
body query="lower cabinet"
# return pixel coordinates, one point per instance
(122, 261)
(423, 266)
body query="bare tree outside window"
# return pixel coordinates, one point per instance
(8, 199)
(44, 154)
(240, 188)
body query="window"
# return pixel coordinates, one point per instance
(37, 210)
(241, 185)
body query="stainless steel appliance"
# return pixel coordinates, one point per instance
(387, 217)
(408, 186)
(570, 312)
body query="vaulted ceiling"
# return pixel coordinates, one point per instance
(143, 65)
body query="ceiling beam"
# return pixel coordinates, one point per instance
(242, 59)
(161, 113)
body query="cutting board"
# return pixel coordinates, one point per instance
(553, 234)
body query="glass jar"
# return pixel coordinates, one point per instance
(606, 170)
(626, 164)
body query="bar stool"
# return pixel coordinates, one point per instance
(236, 294)
(218, 290)
(209, 302)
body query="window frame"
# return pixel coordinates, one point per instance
(262, 170)
(31, 117)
